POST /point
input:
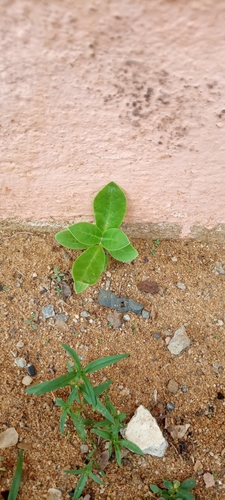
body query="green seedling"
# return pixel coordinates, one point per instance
(175, 490)
(2, 469)
(57, 275)
(16, 478)
(58, 289)
(98, 240)
(156, 242)
(84, 395)
(152, 252)
(30, 322)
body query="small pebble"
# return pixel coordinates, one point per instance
(157, 335)
(31, 370)
(184, 388)
(27, 380)
(219, 322)
(66, 256)
(84, 314)
(48, 311)
(126, 317)
(181, 286)
(170, 406)
(107, 284)
(20, 344)
(145, 314)
(34, 275)
(62, 317)
(21, 362)
(173, 386)
(174, 259)
(84, 448)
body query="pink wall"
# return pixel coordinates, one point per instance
(131, 91)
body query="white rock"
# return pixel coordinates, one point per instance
(181, 286)
(208, 480)
(54, 494)
(21, 362)
(27, 380)
(144, 431)
(8, 438)
(179, 342)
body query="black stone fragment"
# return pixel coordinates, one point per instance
(122, 304)
(220, 395)
(31, 370)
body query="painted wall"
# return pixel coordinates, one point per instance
(98, 90)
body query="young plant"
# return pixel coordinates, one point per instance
(84, 395)
(96, 239)
(175, 490)
(16, 478)
(57, 275)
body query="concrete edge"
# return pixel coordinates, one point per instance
(148, 230)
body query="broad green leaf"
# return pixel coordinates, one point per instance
(99, 389)
(66, 239)
(79, 286)
(188, 484)
(131, 446)
(51, 385)
(106, 262)
(109, 207)
(101, 363)
(73, 355)
(183, 494)
(95, 478)
(168, 485)
(16, 478)
(114, 239)
(126, 254)
(154, 488)
(89, 266)
(87, 233)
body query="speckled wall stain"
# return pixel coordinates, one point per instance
(130, 91)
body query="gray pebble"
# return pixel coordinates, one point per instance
(21, 362)
(48, 311)
(84, 314)
(157, 335)
(145, 314)
(181, 286)
(170, 406)
(107, 284)
(126, 317)
(20, 344)
(62, 317)
(184, 388)
(174, 259)
(66, 256)
(173, 386)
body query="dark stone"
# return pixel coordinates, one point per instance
(122, 304)
(220, 395)
(1, 287)
(31, 370)
(44, 290)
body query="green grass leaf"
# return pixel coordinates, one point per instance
(80, 486)
(95, 478)
(51, 385)
(131, 446)
(118, 454)
(89, 266)
(66, 239)
(79, 424)
(63, 421)
(109, 207)
(99, 389)
(126, 254)
(101, 363)
(114, 239)
(73, 355)
(87, 233)
(16, 478)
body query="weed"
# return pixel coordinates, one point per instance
(96, 239)
(30, 322)
(133, 328)
(152, 252)
(175, 490)
(84, 395)
(156, 242)
(16, 478)
(57, 275)
(2, 469)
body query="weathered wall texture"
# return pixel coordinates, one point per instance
(98, 90)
